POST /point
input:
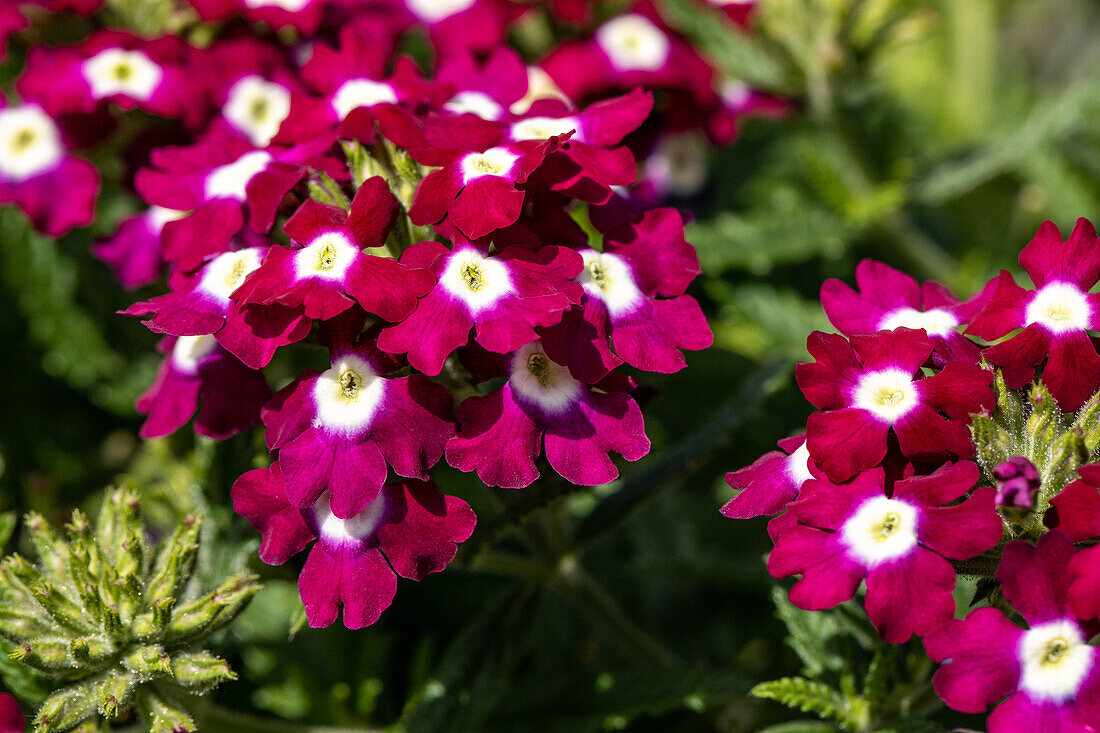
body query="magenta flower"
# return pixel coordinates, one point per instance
(503, 297)
(771, 482)
(588, 164)
(200, 303)
(133, 251)
(338, 429)
(11, 21)
(1075, 511)
(502, 433)
(629, 50)
(196, 367)
(634, 301)
(410, 530)
(356, 93)
(302, 15)
(216, 180)
(871, 387)
(1046, 676)
(488, 89)
(11, 717)
(117, 67)
(1055, 318)
(478, 190)
(459, 26)
(899, 539)
(889, 299)
(55, 190)
(330, 272)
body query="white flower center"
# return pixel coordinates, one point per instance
(433, 11)
(291, 6)
(1059, 307)
(541, 128)
(735, 92)
(348, 395)
(888, 394)
(881, 529)
(633, 43)
(936, 322)
(189, 351)
(539, 86)
(158, 216)
(231, 180)
(798, 465)
(118, 71)
(478, 281)
(347, 531)
(476, 103)
(678, 164)
(257, 108)
(493, 162)
(29, 142)
(608, 277)
(1054, 659)
(535, 378)
(355, 93)
(328, 256)
(224, 274)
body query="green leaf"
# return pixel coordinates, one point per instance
(807, 696)
(809, 633)
(801, 726)
(7, 526)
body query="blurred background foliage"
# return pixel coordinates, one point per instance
(933, 135)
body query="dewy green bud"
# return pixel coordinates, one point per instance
(1010, 411)
(1088, 422)
(201, 670)
(102, 616)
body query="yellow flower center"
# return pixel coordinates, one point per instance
(350, 382)
(539, 366)
(599, 275)
(123, 71)
(1056, 650)
(471, 274)
(326, 258)
(23, 140)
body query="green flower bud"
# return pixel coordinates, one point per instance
(102, 615)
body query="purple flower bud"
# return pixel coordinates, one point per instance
(1017, 483)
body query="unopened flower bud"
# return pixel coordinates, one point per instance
(1017, 483)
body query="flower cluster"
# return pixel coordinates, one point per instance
(955, 438)
(466, 235)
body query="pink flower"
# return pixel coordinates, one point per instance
(587, 165)
(889, 299)
(117, 67)
(133, 251)
(196, 367)
(1055, 318)
(629, 50)
(871, 387)
(302, 15)
(11, 717)
(898, 538)
(502, 433)
(410, 530)
(330, 272)
(217, 180)
(633, 301)
(477, 191)
(503, 297)
(55, 190)
(338, 429)
(1075, 511)
(356, 93)
(771, 482)
(458, 26)
(1046, 676)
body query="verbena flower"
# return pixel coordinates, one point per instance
(409, 529)
(898, 537)
(870, 387)
(1055, 317)
(1043, 677)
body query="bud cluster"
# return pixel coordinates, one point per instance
(114, 621)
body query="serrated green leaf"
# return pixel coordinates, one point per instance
(807, 696)
(809, 633)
